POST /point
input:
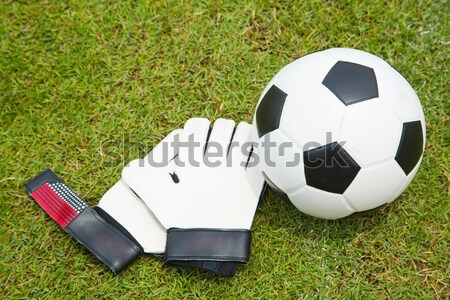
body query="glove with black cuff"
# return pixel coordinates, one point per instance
(206, 206)
(117, 230)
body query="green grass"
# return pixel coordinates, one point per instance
(81, 80)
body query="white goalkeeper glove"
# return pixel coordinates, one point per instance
(207, 205)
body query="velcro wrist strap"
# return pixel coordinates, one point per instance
(214, 245)
(82, 222)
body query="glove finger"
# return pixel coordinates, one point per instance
(219, 142)
(241, 146)
(192, 142)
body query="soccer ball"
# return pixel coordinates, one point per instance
(340, 133)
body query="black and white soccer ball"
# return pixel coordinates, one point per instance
(347, 133)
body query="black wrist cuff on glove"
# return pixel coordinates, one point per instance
(216, 250)
(82, 222)
(224, 268)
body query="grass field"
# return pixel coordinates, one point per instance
(88, 85)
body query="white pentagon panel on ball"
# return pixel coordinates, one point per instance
(375, 186)
(398, 95)
(407, 180)
(370, 132)
(312, 117)
(320, 204)
(294, 78)
(357, 56)
(291, 77)
(282, 162)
